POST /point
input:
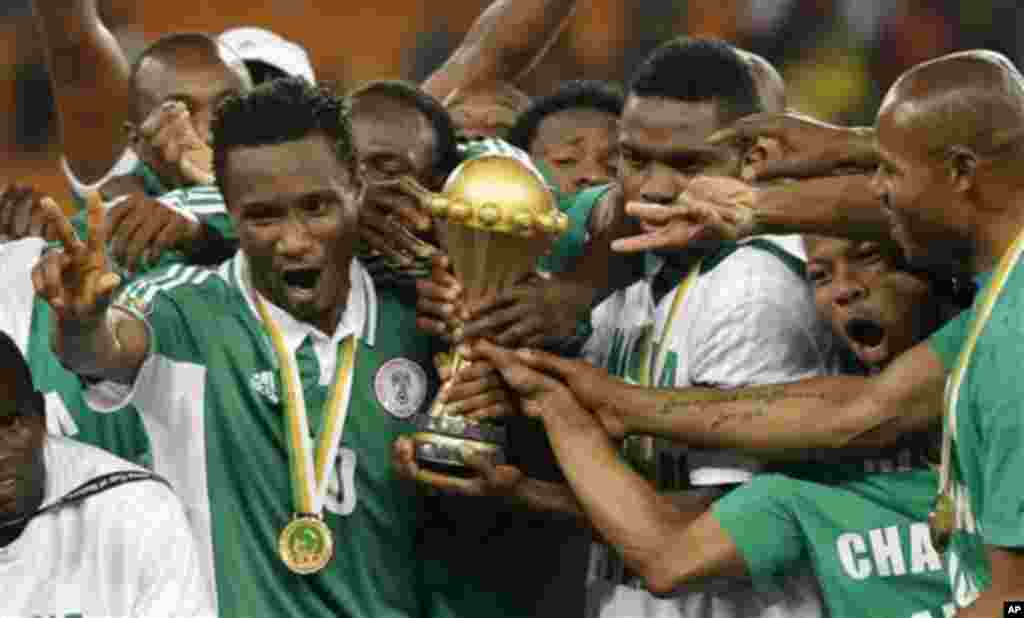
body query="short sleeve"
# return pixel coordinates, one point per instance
(998, 402)
(947, 341)
(760, 520)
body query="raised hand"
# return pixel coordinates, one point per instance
(78, 282)
(23, 213)
(713, 209)
(167, 141)
(142, 229)
(810, 147)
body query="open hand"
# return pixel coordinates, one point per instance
(713, 209)
(810, 147)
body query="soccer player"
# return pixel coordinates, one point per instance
(860, 521)
(241, 372)
(83, 533)
(573, 133)
(948, 137)
(728, 315)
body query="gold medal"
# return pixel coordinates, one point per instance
(941, 522)
(306, 545)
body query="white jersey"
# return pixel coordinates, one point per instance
(747, 318)
(17, 258)
(127, 551)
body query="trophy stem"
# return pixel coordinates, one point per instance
(443, 439)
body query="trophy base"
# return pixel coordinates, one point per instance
(442, 440)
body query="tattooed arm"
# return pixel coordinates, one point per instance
(786, 421)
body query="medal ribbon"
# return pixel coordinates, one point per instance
(309, 479)
(951, 395)
(653, 356)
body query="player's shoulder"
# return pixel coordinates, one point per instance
(195, 286)
(22, 253)
(758, 259)
(76, 463)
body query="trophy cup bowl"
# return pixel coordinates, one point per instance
(495, 217)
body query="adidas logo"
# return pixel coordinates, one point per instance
(265, 384)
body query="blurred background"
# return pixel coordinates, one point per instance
(838, 56)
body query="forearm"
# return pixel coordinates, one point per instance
(774, 422)
(89, 74)
(620, 505)
(551, 498)
(94, 349)
(504, 43)
(842, 206)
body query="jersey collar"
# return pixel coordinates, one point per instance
(360, 313)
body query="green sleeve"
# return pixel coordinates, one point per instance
(570, 245)
(997, 402)
(947, 341)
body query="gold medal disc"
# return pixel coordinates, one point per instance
(306, 545)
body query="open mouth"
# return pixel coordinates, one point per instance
(304, 278)
(864, 332)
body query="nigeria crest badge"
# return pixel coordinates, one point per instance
(401, 387)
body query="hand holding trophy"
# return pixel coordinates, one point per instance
(495, 218)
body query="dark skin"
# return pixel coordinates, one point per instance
(488, 110)
(89, 74)
(22, 213)
(295, 206)
(662, 148)
(669, 545)
(875, 306)
(578, 146)
(662, 145)
(393, 139)
(22, 467)
(198, 78)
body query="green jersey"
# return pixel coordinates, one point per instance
(212, 399)
(988, 437)
(26, 319)
(866, 538)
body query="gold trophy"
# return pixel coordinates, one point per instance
(495, 217)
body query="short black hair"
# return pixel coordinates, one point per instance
(16, 370)
(578, 94)
(277, 112)
(446, 156)
(699, 70)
